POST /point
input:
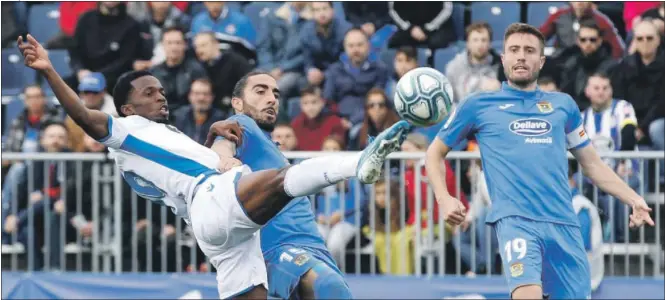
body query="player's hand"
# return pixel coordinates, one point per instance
(640, 215)
(228, 163)
(34, 55)
(229, 130)
(454, 211)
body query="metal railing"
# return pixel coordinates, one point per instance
(129, 234)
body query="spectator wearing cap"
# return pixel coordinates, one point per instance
(178, 71)
(564, 24)
(92, 90)
(195, 119)
(313, 124)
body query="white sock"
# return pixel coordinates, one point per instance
(310, 176)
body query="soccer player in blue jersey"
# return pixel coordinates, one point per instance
(523, 135)
(297, 260)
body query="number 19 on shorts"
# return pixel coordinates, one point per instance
(517, 246)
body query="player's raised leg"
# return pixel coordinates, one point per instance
(264, 193)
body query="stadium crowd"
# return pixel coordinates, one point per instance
(336, 65)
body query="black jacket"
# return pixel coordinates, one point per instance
(177, 80)
(184, 121)
(225, 72)
(577, 68)
(430, 16)
(107, 44)
(639, 84)
(359, 13)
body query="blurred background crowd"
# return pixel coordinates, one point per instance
(336, 64)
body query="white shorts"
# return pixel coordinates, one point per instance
(229, 239)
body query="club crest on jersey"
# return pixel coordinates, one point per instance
(545, 107)
(516, 269)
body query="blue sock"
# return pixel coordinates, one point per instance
(330, 284)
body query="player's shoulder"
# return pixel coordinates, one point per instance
(246, 122)
(559, 99)
(131, 121)
(478, 100)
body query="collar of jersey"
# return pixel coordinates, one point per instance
(506, 88)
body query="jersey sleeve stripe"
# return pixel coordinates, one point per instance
(110, 127)
(577, 138)
(163, 157)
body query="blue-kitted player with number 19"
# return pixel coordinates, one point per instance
(523, 134)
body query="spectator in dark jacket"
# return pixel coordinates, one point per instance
(590, 55)
(313, 124)
(23, 134)
(564, 24)
(178, 71)
(368, 16)
(195, 119)
(322, 41)
(223, 69)
(426, 24)
(639, 77)
(108, 41)
(349, 79)
(279, 49)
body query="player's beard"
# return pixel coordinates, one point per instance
(254, 113)
(522, 83)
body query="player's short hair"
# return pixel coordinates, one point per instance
(239, 88)
(123, 87)
(409, 51)
(478, 26)
(173, 28)
(525, 29)
(590, 23)
(310, 90)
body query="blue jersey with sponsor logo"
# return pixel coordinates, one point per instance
(523, 139)
(295, 224)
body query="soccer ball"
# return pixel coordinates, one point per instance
(423, 97)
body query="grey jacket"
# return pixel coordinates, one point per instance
(467, 78)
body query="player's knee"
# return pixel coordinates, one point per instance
(531, 291)
(323, 283)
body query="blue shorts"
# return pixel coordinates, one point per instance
(286, 264)
(547, 254)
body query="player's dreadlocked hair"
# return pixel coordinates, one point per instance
(239, 88)
(123, 87)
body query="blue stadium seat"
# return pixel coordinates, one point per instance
(458, 19)
(443, 56)
(255, 11)
(15, 75)
(60, 60)
(387, 56)
(44, 21)
(12, 106)
(423, 55)
(498, 46)
(498, 14)
(339, 10)
(538, 12)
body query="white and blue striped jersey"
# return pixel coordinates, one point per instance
(159, 162)
(604, 127)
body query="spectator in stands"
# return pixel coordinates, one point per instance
(468, 69)
(285, 138)
(349, 79)
(611, 124)
(657, 16)
(406, 59)
(92, 90)
(322, 40)
(589, 56)
(634, 10)
(23, 135)
(70, 12)
(195, 119)
(590, 227)
(387, 223)
(337, 208)
(49, 184)
(368, 16)
(232, 28)
(425, 24)
(223, 69)
(279, 49)
(547, 84)
(313, 124)
(378, 117)
(178, 71)
(563, 25)
(156, 17)
(107, 40)
(639, 77)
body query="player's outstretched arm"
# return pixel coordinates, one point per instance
(608, 181)
(223, 138)
(453, 209)
(94, 123)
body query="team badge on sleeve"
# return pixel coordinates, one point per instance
(545, 107)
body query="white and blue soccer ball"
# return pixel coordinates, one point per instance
(423, 97)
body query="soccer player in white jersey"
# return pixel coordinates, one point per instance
(225, 210)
